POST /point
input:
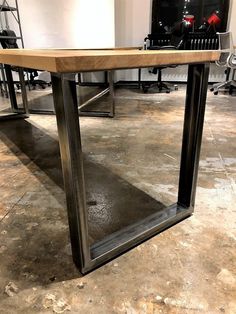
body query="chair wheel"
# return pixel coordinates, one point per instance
(216, 93)
(168, 91)
(212, 89)
(145, 88)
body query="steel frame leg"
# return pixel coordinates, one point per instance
(87, 257)
(11, 88)
(16, 112)
(66, 108)
(96, 113)
(4, 90)
(110, 90)
(192, 133)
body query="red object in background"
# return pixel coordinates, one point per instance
(190, 19)
(214, 19)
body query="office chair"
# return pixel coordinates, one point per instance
(10, 43)
(158, 42)
(200, 41)
(227, 60)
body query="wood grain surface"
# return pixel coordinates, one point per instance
(74, 60)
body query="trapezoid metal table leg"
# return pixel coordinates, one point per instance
(87, 257)
(97, 113)
(16, 113)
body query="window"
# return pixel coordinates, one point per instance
(169, 12)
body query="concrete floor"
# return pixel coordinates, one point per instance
(130, 160)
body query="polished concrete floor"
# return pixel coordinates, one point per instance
(132, 164)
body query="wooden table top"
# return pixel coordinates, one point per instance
(74, 60)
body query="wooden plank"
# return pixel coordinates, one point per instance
(71, 60)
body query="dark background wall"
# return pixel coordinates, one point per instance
(170, 12)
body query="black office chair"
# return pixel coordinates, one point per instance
(11, 43)
(199, 41)
(162, 41)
